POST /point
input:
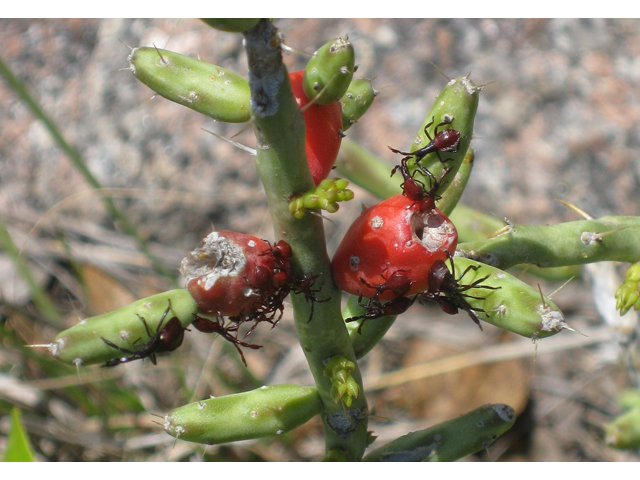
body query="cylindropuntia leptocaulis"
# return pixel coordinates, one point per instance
(304, 269)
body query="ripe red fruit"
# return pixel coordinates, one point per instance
(323, 128)
(390, 249)
(234, 274)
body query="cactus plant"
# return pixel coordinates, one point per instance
(392, 276)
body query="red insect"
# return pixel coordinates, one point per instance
(448, 292)
(304, 285)
(376, 309)
(323, 129)
(399, 283)
(207, 325)
(415, 189)
(446, 140)
(165, 339)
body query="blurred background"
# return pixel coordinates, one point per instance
(557, 120)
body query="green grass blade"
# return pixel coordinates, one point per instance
(78, 163)
(18, 444)
(40, 298)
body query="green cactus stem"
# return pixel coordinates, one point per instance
(450, 197)
(451, 440)
(325, 196)
(343, 386)
(282, 166)
(510, 304)
(628, 294)
(335, 456)
(329, 72)
(624, 431)
(82, 345)
(610, 238)
(356, 101)
(457, 103)
(231, 24)
(473, 225)
(264, 412)
(206, 88)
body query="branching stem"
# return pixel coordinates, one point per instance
(283, 169)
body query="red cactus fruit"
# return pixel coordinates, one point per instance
(323, 129)
(389, 250)
(234, 274)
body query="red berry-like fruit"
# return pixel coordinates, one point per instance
(389, 250)
(234, 274)
(323, 129)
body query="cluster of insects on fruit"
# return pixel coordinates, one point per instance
(398, 283)
(444, 289)
(448, 291)
(446, 140)
(236, 280)
(397, 291)
(271, 308)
